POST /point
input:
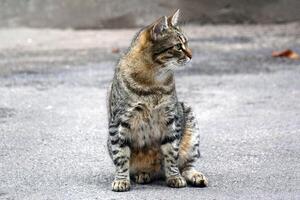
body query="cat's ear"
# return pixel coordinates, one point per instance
(159, 27)
(173, 19)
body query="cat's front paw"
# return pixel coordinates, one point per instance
(176, 181)
(199, 180)
(121, 185)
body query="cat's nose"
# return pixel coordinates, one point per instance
(188, 53)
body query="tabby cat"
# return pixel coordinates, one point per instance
(151, 133)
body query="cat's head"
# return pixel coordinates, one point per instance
(169, 44)
(163, 43)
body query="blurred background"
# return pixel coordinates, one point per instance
(95, 14)
(57, 59)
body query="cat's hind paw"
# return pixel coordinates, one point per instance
(142, 178)
(199, 180)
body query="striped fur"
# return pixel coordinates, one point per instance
(151, 133)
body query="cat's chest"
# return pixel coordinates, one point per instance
(148, 126)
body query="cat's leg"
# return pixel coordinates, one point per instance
(189, 151)
(170, 151)
(172, 173)
(120, 153)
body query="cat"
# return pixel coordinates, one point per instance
(151, 133)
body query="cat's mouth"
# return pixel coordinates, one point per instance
(184, 61)
(175, 65)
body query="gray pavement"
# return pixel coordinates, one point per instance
(53, 119)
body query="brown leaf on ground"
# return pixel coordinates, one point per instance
(287, 54)
(115, 50)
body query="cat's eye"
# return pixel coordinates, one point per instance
(178, 47)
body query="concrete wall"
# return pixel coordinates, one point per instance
(87, 14)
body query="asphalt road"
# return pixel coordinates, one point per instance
(53, 119)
